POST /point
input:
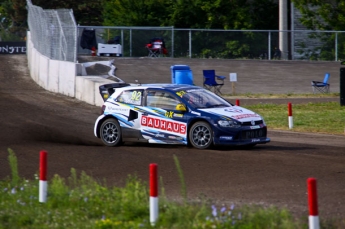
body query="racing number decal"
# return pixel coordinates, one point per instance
(131, 97)
(136, 95)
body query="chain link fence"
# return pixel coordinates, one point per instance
(56, 35)
(225, 44)
(53, 32)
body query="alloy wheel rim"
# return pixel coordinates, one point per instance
(201, 135)
(110, 133)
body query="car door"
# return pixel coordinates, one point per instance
(164, 123)
(128, 111)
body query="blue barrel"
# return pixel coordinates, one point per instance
(181, 74)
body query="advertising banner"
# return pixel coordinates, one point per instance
(13, 47)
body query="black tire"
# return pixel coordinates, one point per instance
(201, 135)
(110, 132)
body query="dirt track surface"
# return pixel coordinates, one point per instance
(272, 174)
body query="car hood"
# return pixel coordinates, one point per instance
(235, 112)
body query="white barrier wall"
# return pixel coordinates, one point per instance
(53, 73)
(61, 77)
(87, 89)
(35, 65)
(67, 75)
(28, 48)
(43, 71)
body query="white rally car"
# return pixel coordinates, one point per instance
(175, 114)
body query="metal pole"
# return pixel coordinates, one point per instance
(283, 24)
(130, 42)
(122, 41)
(269, 45)
(336, 46)
(292, 31)
(75, 55)
(172, 41)
(190, 43)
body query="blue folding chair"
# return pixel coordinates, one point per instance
(322, 87)
(213, 81)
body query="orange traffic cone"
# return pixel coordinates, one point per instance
(93, 51)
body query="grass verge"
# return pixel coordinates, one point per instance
(283, 96)
(82, 202)
(326, 117)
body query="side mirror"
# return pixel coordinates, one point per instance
(181, 107)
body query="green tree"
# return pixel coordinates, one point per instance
(324, 15)
(135, 12)
(198, 14)
(264, 14)
(13, 12)
(13, 19)
(85, 12)
(210, 14)
(219, 14)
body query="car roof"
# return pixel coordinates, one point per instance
(116, 89)
(171, 87)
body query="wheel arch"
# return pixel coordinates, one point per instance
(190, 124)
(100, 122)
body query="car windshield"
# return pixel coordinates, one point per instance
(202, 98)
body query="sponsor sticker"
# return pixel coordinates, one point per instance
(227, 138)
(255, 127)
(160, 136)
(197, 113)
(117, 109)
(180, 93)
(178, 115)
(163, 124)
(244, 116)
(169, 114)
(192, 90)
(233, 110)
(253, 134)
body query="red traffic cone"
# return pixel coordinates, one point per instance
(93, 51)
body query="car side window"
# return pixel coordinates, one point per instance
(161, 100)
(131, 97)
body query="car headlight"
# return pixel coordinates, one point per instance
(263, 121)
(229, 123)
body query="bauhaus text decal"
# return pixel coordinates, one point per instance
(162, 124)
(13, 47)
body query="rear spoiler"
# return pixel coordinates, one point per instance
(107, 90)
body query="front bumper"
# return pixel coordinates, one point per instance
(240, 136)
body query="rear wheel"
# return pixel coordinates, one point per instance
(201, 135)
(110, 132)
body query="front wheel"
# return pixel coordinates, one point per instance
(110, 132)
(201, 135)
